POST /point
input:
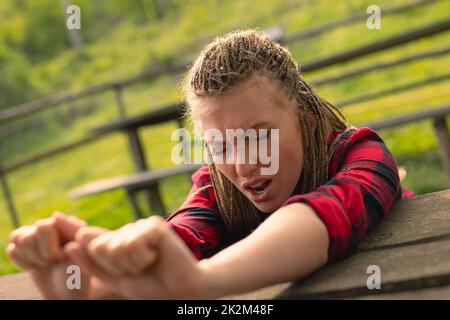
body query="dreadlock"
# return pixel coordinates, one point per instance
(230, 60)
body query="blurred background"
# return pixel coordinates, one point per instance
(127, 59)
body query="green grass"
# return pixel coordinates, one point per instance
(41, 188)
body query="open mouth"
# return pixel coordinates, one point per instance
(259, 189)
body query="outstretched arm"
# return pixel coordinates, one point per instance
(290, 244)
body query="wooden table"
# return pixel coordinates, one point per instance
(411, 247)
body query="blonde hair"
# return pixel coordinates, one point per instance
(227, 62)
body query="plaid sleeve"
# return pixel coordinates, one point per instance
(197, 221)
(363, 186)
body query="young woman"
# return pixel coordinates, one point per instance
(238, 230)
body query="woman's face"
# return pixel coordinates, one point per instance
(256, 104)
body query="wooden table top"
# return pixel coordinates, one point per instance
(411, 247)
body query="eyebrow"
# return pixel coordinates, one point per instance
(261, 124)
(257, 125)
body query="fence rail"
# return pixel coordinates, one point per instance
(380, 66)
(389, 43)
(315, 31)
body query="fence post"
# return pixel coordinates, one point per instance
(8, 199)
(443, 137)
(153, 194)
(119, 101)
(75, 38)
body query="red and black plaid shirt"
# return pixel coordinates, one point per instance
(363, 185)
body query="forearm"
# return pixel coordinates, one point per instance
(289, 244)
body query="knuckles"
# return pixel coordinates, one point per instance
(28, 240)
(113, 245)
(97, 247)
(11, 250)
(117, 250)
(28, 234)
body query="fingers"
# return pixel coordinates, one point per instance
(117, 253)
(67, 225)
(12, 252)
(40, 245)
(78, 255)
(48, 241)
(142, 258)
(85, 235)
(121, 252)
(25, 249)
(130, 251)
(93, 241)
(102, 254)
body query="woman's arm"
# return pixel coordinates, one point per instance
(290, 244)
(197, 222)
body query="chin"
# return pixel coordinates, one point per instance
(269, 207)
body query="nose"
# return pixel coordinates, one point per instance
(245, 162)
(246, 170)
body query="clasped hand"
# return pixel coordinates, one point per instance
(142, 260)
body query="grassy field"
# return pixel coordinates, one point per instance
(41, 188)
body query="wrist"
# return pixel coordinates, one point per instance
(211, 281)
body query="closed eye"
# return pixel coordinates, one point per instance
(263, 134)
(217, 148)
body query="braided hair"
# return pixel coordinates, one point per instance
(230, 60)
